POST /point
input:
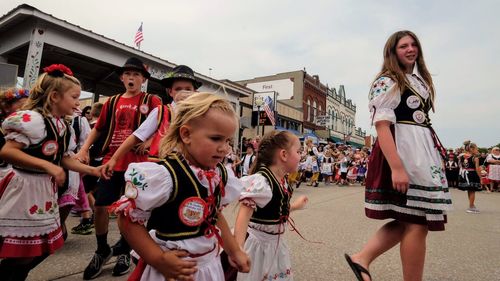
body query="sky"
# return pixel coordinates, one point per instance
(341, 41)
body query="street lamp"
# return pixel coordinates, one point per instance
(258, 101)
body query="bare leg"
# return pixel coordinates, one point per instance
(384, 239)
(472, 198)
(412, 250)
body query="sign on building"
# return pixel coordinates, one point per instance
(322, 120)
(284, 87)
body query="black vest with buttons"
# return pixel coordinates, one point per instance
(278, 209)
(165, 219)
(413, 109)
(36, 150)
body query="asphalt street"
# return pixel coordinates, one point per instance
(468, 250)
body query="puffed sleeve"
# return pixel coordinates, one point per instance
(256, 191)
(384, 98)
(26, 127)
(233, 189)
(147, 186)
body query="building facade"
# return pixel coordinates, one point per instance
(326, 112)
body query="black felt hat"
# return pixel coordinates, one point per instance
(180, 72)
(134, 64)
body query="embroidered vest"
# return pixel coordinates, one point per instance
(278, 209)
(179, 218)
(413, 109)
(163, 123)
(100, 147)
(51, 148)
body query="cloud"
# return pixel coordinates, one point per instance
(341, 41)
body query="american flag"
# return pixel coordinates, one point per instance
(139, 37)
(269, 108)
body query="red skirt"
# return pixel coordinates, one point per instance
(382, 201)
(24, 247)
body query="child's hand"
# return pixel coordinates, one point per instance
(107, 169)
(96, 171)
(82, 156)
(241, 261)
(301, 202)
(57, 173)
(172, 266)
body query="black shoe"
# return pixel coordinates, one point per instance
(82, 229)
(118, 248)
(95, 266)
(122, 265)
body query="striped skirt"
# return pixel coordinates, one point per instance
(424, 205)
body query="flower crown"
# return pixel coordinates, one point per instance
(58, 70)
(12, 94)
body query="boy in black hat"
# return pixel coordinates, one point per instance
(178, 83)
(120, 116)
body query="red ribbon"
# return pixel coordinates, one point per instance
(212, 207)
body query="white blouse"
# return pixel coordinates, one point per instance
(385, 96)
(28, 127)
(149, 185)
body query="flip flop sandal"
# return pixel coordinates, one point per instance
(357, 268)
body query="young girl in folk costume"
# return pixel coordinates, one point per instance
(470, 174)
(493, 162)
(39, 142)
(452, 170)
(311, 152)
(327, 167)
(182, 195)
(265, 208)
(406, 179)
(352, 173)
(11, 100)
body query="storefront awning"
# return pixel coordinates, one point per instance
(312, 136)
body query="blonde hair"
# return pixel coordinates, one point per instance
(194, 107)
(393, 69)
(45, 89)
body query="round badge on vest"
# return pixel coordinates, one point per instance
(144, 108)
(192, 210)
(50, 147)
(419, 116)
(413, 102)
(130, 190)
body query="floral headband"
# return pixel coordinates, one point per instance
(58, 70)
(17, 94)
